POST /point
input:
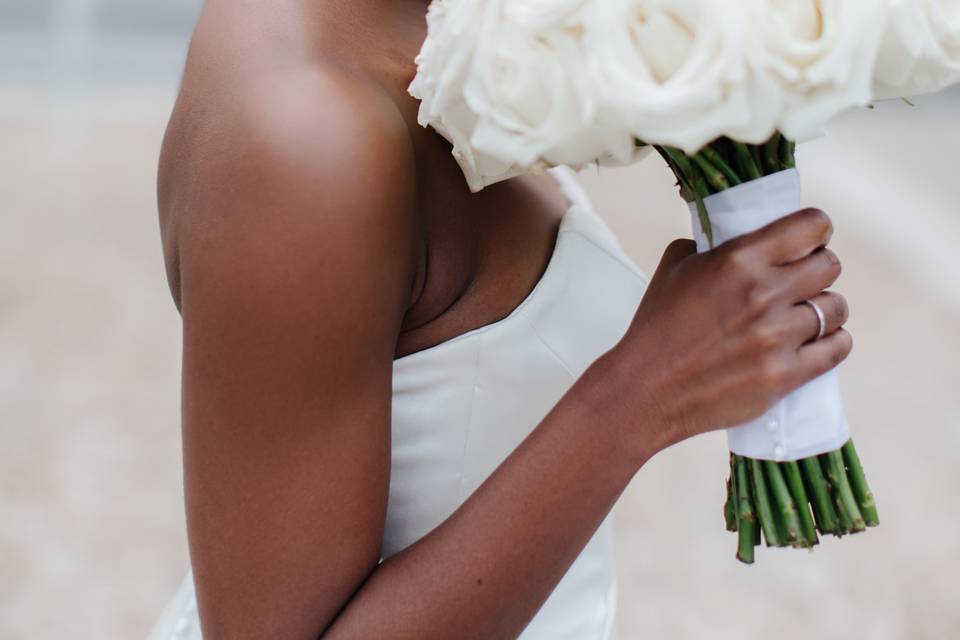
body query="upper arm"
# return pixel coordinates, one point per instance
(295, 265)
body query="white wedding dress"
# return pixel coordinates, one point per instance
(461, 407)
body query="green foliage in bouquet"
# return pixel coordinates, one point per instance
(790, 502)
(787, 502)
(723, 164)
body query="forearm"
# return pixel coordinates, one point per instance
(486, 571)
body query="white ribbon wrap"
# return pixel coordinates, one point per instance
(811, 420)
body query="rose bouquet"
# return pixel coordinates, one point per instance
(722, 91)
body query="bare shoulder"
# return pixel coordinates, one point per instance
(321, 119)
(300, 157)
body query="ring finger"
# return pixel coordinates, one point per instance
(805, 322)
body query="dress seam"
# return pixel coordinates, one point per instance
(550, 348)
(625, 264)
(469, 421)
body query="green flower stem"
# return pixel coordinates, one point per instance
(826, 515)
(850, 518)
(746, 519)
(689, 175)
(750, 170)
(704, 216)
(858, 482)
(787, 153)
(765, 509)
(685, 190)
(794, 478)
(695, 184)
(771, 154)
(715, 178)
(783, 502)
(756, 152)
(730, 506)
(712, 156)
(768, 501)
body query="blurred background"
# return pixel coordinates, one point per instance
(92, 537)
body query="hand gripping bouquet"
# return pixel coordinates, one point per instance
(722, 91)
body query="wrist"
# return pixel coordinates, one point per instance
(626, 406)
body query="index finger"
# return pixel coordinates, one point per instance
(793, 237)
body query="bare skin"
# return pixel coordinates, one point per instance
(312, 233)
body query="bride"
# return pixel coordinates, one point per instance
(408, 410)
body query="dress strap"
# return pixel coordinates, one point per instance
(583, 218)
(572, 191)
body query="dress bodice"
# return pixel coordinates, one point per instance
(462, 406)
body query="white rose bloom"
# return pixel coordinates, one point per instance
(532, 92)
(442, 67)
(539, 14)
(519, 85)
(504, 82)
(921, 48)
(819, 53)
(457, 124)
(670, 71)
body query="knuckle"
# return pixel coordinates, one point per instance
(767, 337)
(819, 221)
(773, 372)
(758, 298)
(737, 260)
(739, 268)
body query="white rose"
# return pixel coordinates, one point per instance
(500, 81)
(539, 14)
(532, 91)
(442, 67)
(921, 48)
(457, 124)
(811, 59)
(671, 71)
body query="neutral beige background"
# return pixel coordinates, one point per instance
(91, 526)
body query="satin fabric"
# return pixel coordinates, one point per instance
(461, 407)
(811, 420)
